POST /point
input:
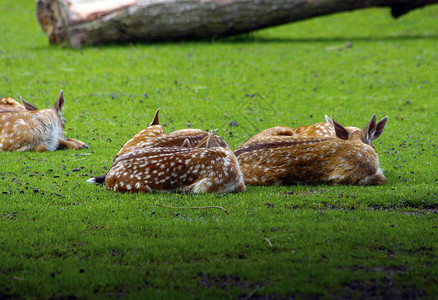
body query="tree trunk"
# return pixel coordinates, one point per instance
(91, 22)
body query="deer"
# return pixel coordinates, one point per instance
(329, 128)
(187, 160)
(27, 128)
(176, 169)
(314, 159)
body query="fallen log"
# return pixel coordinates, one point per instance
(90, 22)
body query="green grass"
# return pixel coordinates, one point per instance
(60, 237)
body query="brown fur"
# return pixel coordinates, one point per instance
(25, 128)
(154, 136)
(268, 159)
(169, 169)
(188, 160)
(330, 128)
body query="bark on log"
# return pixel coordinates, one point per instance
(91, 22)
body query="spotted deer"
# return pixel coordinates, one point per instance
(26, 128)
(313, 159)
(187, 160)
(169, 169)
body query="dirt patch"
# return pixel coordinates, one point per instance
(378, 290)
(225, 282)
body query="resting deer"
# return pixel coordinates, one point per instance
(26, 128)
(185, 160)
(169, 169)
(313, 159)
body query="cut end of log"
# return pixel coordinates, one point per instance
(50, 18)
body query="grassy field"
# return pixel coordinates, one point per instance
(63, 238)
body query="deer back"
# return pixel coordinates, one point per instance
(330, 128)
(168, 169)
(153, 136)
(270, 132)
(9, 104)
(321, 129)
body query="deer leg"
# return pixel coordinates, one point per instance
(41, 148)
(71, 144)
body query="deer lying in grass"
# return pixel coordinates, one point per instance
(26, 128)
(185, 160)
(348, 157)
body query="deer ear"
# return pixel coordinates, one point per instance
(379, 128)
(155, 121)
(369, 130)
(205, 141)
(340, 130)
(208, 140)
(328, 120)
(186, 144)
(27, 105)
(59, 104)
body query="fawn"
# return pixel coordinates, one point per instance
(26, 128)
(154, 161)
(170, 169)
(312, 159)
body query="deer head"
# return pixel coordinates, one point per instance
(368, 134)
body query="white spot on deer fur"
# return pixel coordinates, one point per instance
(339, 177)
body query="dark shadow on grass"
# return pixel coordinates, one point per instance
(251, 38)
(260, 39)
